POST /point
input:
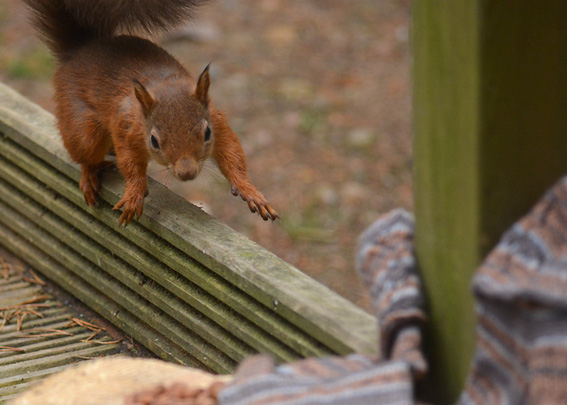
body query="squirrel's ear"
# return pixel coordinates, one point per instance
(202, 90)
(144, 97)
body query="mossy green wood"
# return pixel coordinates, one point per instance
(21, 178)
(69, 234)
(91, 297)
(490, 89)
(36, 351)
(270, 295)
(152, 316)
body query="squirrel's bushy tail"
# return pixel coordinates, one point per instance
(66, 25)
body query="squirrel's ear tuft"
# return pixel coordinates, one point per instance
(145, 98)
(202, 89)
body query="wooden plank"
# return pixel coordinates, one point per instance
(16, 296)
(232, 256)
(12, 391)
(4, 282)
(147, 314)
(152, 267)
(150, 338)
(129, 276)
(6, 288)
(489, 96)
(20, 340)
(51, 316)
(65, 357)
(33, 375)
(270, 321)
(50, 348)
(31, 340)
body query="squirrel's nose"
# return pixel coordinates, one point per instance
(186, 169)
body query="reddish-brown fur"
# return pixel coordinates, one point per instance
(126, 92)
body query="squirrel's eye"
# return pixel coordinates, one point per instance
(155, 142)
(207, 134)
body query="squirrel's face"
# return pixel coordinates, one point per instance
(178, 130)
(180, 144)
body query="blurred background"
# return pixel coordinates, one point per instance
(318, 92)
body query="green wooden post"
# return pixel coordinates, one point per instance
(490, 119)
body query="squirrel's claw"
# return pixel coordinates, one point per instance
(90, 183)
(133, 208)
(270, 213)
(263, 209)
(257, 203)
(90, 193)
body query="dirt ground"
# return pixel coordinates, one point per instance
(319, 93)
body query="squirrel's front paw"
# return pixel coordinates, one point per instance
(256, 202)
(133, 207)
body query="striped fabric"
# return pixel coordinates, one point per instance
(521, 354)
(386, 264)
(521, 290)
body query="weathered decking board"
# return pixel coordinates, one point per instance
(182, 283)
(45, 341)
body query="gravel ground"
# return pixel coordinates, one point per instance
(319, 94)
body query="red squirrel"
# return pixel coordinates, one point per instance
(126, 93)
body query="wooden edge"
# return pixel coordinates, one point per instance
(94, 299)
(198, 286)
(200, 345)
(278, 285)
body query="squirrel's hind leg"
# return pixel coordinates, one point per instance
(87, 142)
(90, 181)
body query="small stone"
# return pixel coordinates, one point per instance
(327, 195)
(402, 33)
(353, 193)
(296, 89)
(282, 35)
(361, 138)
